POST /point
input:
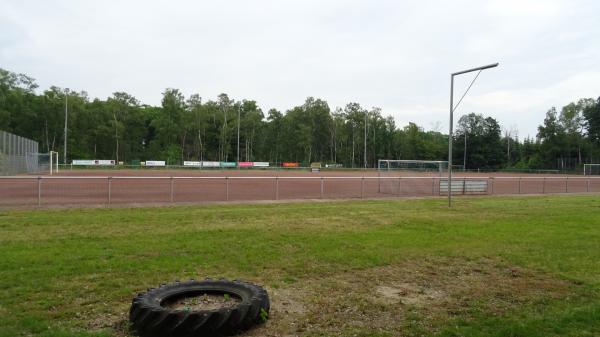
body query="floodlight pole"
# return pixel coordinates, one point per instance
(66, 123)
(450, 141)
(465, 153)
(452, 122)
(365, 149)
(238, 137)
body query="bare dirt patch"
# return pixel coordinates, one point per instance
(420, 294)
(204, 302)
(407, 293)
(414, 296)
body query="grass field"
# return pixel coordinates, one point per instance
(526, 266)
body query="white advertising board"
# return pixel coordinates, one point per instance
(192, 163)
(82, 162)
(92, 162)
(261, 164)
(211, 164)
(155, 163)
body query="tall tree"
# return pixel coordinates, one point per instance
(591, 114)
(120, 127)
(552, 138)
(478, 142)
(169, 134)
(126, 124)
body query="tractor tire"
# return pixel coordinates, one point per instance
(149, 318)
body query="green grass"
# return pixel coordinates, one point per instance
(61, 269)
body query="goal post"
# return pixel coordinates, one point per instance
(53, 162)
(389, 165)
(390, 168)
(591, 169)
(41, 163)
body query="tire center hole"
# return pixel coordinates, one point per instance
(202, 301)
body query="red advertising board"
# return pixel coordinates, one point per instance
(245, 164)
(288, 164)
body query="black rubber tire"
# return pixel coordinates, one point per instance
(149, 318)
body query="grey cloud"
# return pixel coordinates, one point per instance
(391, 54)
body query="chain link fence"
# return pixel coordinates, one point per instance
(20, 155)
(94, 190)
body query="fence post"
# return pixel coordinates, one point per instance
(109, 179)
(464, 186)
(588, 184)
(567, 185)
(432, 187)
(362, 187)
(39, 191)
(227, 188)
(544, 186)
(399, 179)
(276, 188)
(172, 188)
(493, 180)
(322, 183)
(520, 185)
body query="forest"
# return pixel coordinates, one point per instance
(191, 127)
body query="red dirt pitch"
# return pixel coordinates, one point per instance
(142, 186)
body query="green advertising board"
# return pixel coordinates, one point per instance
(228, 164)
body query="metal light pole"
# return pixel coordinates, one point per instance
(66, 123)
(365, 151)
(238, 137)
(452, 108)
(465, 153)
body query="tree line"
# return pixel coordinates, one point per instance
(192, 128)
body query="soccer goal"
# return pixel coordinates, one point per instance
(40, 163)
(391, 165)
(390, 168)
(591, 169)
(53, 162)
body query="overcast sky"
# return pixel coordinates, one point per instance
(396, 55)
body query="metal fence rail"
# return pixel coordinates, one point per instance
(81, 190)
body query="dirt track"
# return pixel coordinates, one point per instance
(91, 187)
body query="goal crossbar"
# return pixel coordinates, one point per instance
(411, 164)
(591, 169)
(387, 167)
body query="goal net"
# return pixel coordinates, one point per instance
(433, 166)
(37, 162)
(41, 163)
(591, 169)
(390, 168)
